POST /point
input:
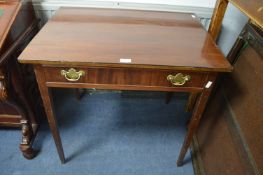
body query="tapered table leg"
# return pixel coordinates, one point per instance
(48, 105)
(169, 96)
(196, 116)
(79, 93)
(191, 101)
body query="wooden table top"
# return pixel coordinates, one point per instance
(9, 11)
(252, 8)
(85, 36)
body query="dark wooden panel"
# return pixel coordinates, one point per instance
(10, 120)
(217, 148)
(17, 27)
(246, 100)
(232, 130)
(7, 109)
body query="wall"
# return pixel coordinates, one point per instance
(203, 9)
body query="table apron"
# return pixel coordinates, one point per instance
(123, 87)
(123, 78)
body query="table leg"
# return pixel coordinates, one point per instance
(48, 105)
(191, 101)
(169, 96)
(79, 93)
(196, 116)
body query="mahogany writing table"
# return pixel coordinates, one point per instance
(125, 50)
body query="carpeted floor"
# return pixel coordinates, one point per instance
(106, 133)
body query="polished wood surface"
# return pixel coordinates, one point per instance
(170, 40)
(217, 18)
(9, 13)
(125, 76)
(252, 8)
(195, 119)
(48, 104)
(159, 44)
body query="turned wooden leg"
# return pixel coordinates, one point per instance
(28, 152)
(48, 105)
(27, 139)
(27, 132)
(196, 116)
(191, 101)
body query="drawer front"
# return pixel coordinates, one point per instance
(125, 76)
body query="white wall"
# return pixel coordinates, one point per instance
(190, 3)
(202, 8)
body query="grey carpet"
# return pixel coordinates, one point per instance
(106, 133)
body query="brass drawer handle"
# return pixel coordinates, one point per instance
(72, 74)
(178, 79)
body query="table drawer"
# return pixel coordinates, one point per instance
(125, 76)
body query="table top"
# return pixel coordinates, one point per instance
(252, 8)
(88, 36)
(8, 12)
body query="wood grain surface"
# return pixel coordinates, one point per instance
(99, 36)
(252, 8)
(9, 12)
(217, 18)
(155, 43)
(125, 76)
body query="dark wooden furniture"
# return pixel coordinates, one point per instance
(235, 113)
(18, 25)
(125, 50)
(231, 129)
